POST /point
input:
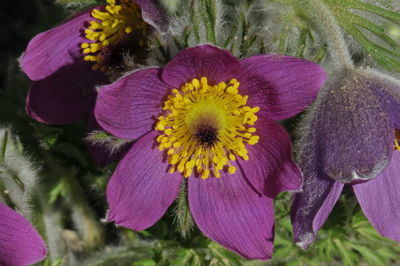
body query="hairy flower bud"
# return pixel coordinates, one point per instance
(350, 136)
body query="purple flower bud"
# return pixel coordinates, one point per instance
(349, 137)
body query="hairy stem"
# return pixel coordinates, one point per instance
(331, 31)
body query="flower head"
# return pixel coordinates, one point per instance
(350, 137)
(68, 61)
(210, 118)
(20, 244)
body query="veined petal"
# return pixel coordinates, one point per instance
(228, 211)
(66, 96)
(282, 86)
(20, 244)
(380, 199)
(129, 107)
(216, 64)
(152, 13)
(353, 133)
(141, 188)
(271, 169)
(62, 43)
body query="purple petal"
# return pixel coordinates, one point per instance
(387, 90)
(352, 131)
(141, 188)
(102, 155)
(66, 96)
(56, 48)
(20, 244)
(281, 86)
(228, 211)
(271, 169)
(380, 199)
(312, 206)
(129, 107)
(152, 13)
(208, 61)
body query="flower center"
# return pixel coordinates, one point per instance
(118, 21)
(206, 127)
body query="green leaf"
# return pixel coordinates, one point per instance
(144, 262)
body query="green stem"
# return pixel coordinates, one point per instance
(93, 234)
(5, 195)
(183, 215)
(208, 14)
(331, 30)
(4, 145)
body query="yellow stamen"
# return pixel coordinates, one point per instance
(118, 19)
(397, 140)
(206, 128)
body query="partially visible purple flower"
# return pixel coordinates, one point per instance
(20, 244)
(349, 137)
(67, 62)
(211, 118)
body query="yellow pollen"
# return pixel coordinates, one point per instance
(206, 128)
(397, 140)
(118, 19)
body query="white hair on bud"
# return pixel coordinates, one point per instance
(17, 173)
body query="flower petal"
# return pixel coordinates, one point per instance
(271, 169)
(101, 154)
(353, 132)
(141, 189)
(282, 86)
(208, 61)
(312, 206)
(129, 107)
(56, 48)
(66, 96)
(387, 89)
(20, 244)
(380, 199)
(228, 211)
(152, 13)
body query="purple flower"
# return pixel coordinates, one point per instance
(68, 61)
(20, 244)
(349, 137)
(211, 118)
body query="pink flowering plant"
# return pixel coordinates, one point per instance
(210, 118)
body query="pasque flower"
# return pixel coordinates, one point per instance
(351, 136)
(20, 244)
(68, 61)
(210, 118)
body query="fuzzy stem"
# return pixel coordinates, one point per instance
(183, 215)
(4, 145)
(331, 30)
(83, 216)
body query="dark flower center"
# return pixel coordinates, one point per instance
(207, 135)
